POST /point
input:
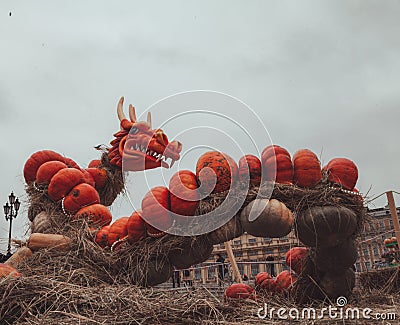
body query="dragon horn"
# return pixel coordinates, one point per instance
(132, 113)
(120, 112)
(149, 118)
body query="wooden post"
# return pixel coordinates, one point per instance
(232, 260)
(393, 213)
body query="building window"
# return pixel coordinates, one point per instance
(376, 250)
(252, 240)
(358, 267)
(197, 274)
(255, 269)
(365, 252)
(211, 272)
(368, 265)
(267, 239)
(237, 242)
(238, 254)
(391, 223)
(241, 268)
(252, 253)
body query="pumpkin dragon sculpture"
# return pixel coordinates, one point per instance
(322, 206)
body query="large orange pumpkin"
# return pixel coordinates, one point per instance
(264, 282)
(250, 170)
(101, 238)
(296, 258)
(40, 157)
(47, 170)
(136, 227)
(97, 214)
(8, 271)
(99, 175)
(118, 230)
(156, 211)
(63, 182)
(80, 196)
(215, 172)
(307, 168)
(183, 193)
(95, 163)
(343, 172)
(285, 280)
(240, 291)
(277, 164)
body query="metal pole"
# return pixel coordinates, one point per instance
(393, 213)
(9, 232)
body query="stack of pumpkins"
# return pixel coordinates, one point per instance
(72, 193)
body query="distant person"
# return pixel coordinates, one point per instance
(245, 277)
(2, 258)
(220, 260)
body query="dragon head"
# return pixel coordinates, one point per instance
(139, 146)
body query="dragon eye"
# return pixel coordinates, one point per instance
(134, 130)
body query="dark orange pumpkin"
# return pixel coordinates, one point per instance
(8, 271)
(265, 282)
(183, 193)
(63, 182)
(156, 211)
(80, 196)
(40, 157)
(88, 177)
(296, 258)
(240, 291)
(99, 175)
(307, 168)
(136, 227)
(47, 170)
(285, 280)
(96, 214)
(250, 170)
(277, 165)
(216, 172)
(342, 171)
(95, 163)
(118, 230)
(101, 238)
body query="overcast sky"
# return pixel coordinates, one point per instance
(323, 75)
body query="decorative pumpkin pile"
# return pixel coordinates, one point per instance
(321, 204)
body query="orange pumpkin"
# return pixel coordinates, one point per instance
(95, 163)
(8, 271)
(183, 193)
(240, 291)
(250, 170)
(216, 172)
(118, 230)
(307, 168)
(343, 171)
(39, 158)
(136, 227)
(156, 211)
(80, 196)
(296, 258)
(101, 238)
(99, 175)
(264, 282)
(285, 280)
(63, 182)
(387, 241)
(47, 170)
(96, 214)
(277, 165)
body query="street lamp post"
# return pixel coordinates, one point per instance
(11, 211)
